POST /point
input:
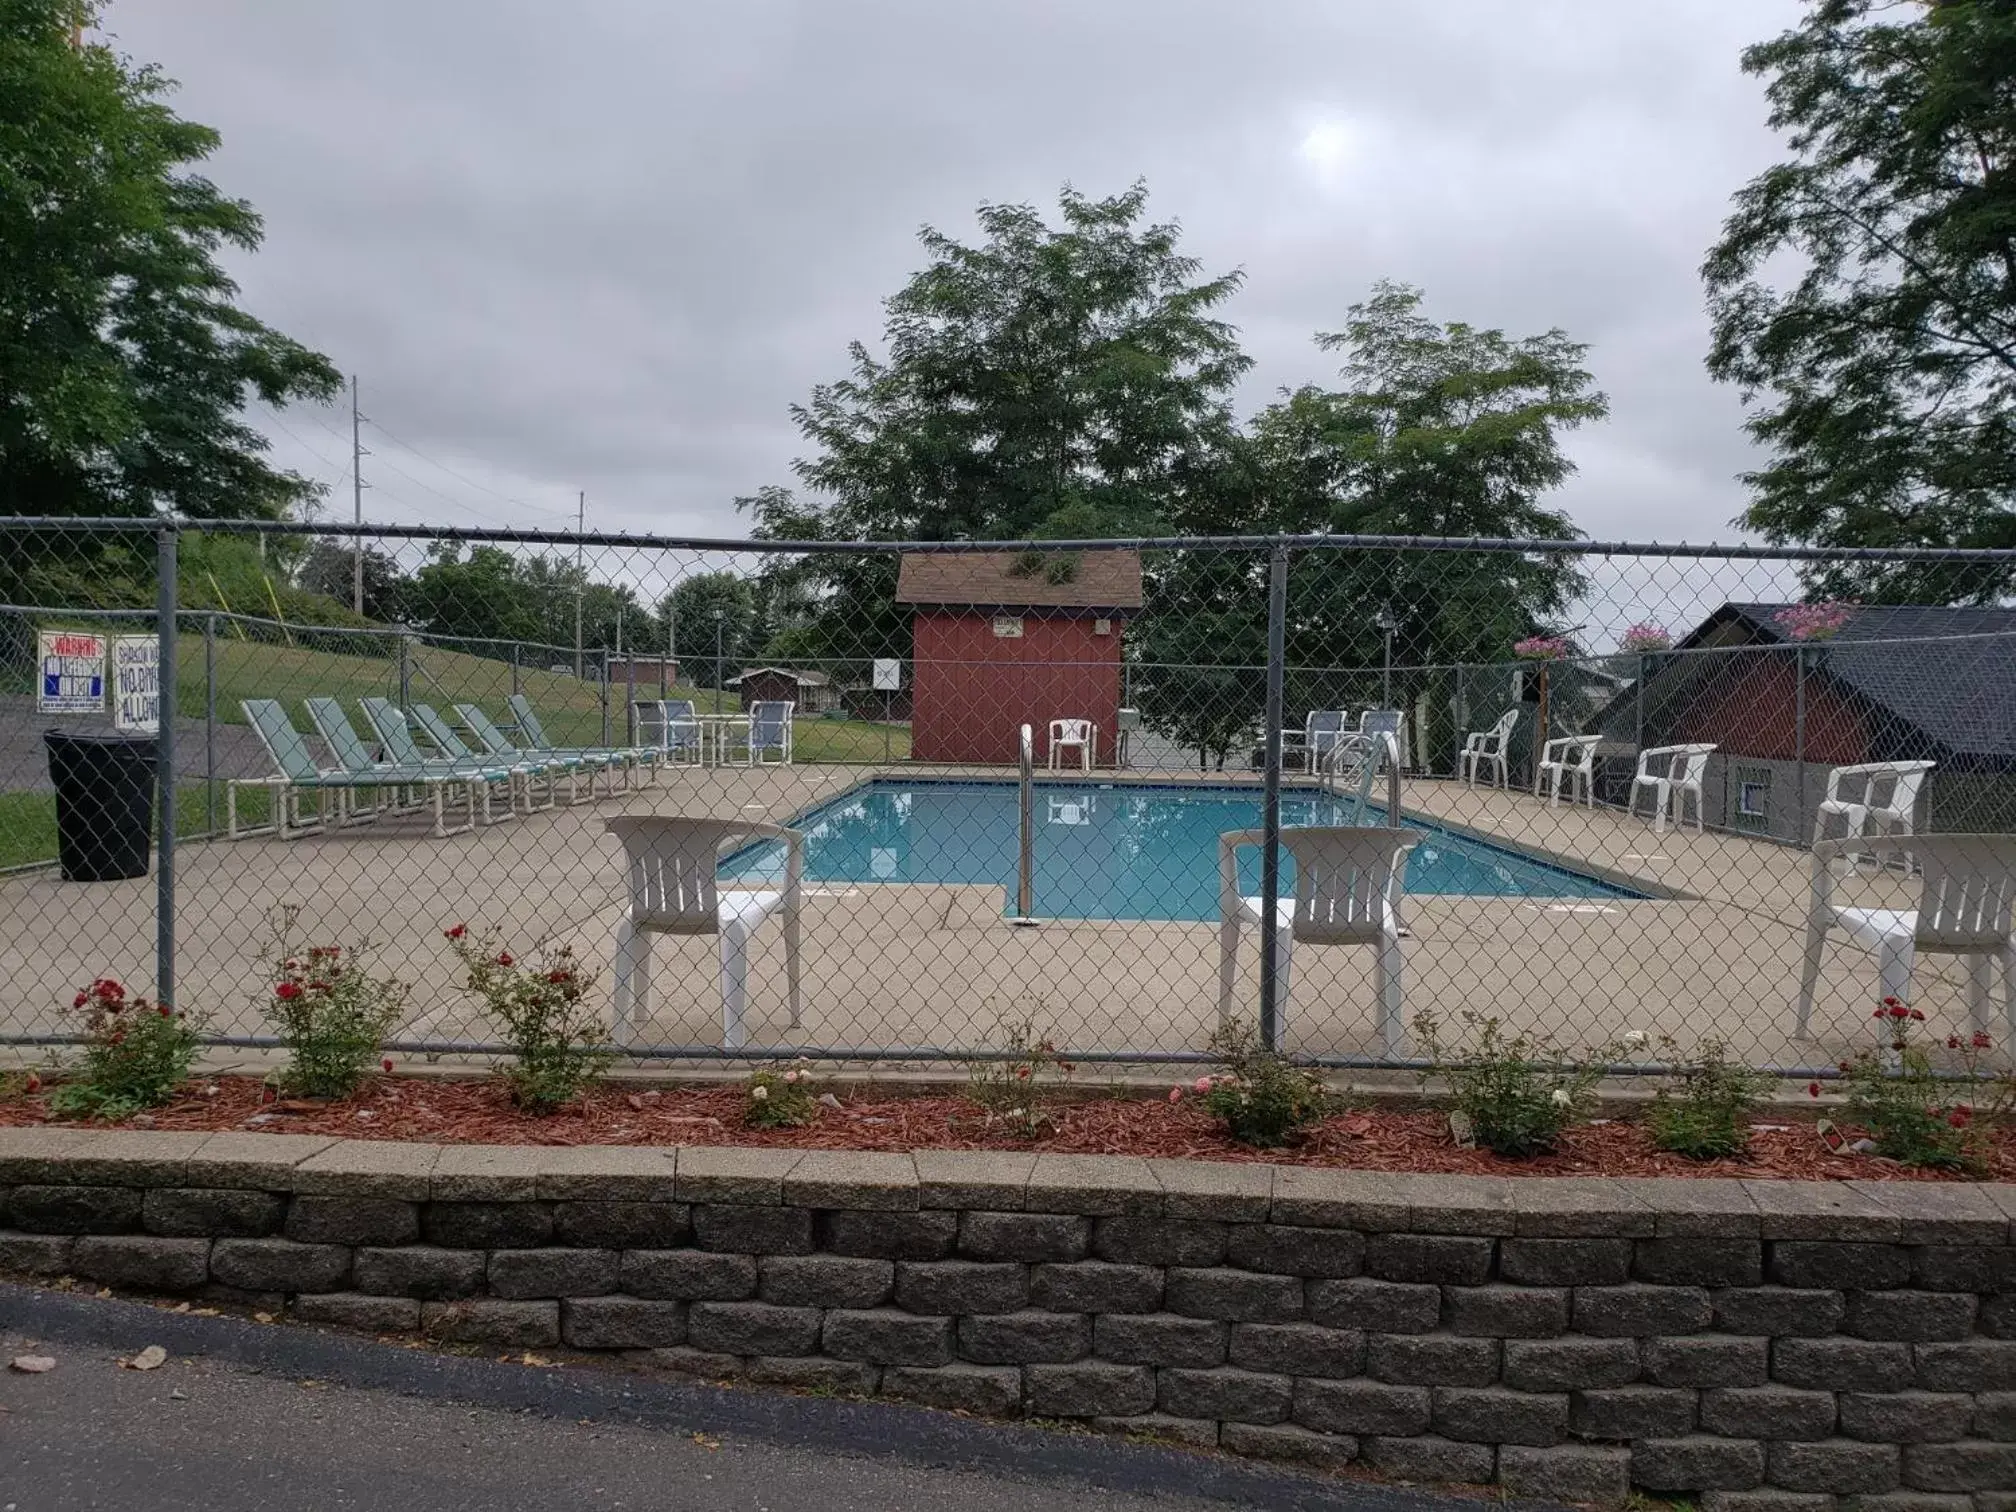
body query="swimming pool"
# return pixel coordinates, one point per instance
(1111, 851)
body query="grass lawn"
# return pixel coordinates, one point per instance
(28, 820)
(570, 709)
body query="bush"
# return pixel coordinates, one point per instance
(1014, 1086)
(558, 1048)
(1707, 1116)
(781, 1100)
(331, 1013)
(136, 1054)
(1519, 1092)
(1912, 1114)
(1263, 1098)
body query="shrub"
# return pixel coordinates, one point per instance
(558, 1048)
(1014, 1086)
(136, 1054)
(1912, 1114)
(1707, 1115)
(331, 1013)
(1263, 1098)
(1519, 1091)
(781, 1099)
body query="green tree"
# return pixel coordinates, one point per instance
(1882, 368)
(481, 596)
(125, 361)
(699, 606)
(1048, 381)
(330, 567)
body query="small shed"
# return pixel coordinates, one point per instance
(652, 672)
(1003, 638)
(812, 692)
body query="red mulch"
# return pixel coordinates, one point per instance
(479, 1112)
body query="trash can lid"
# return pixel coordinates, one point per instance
(99, 738)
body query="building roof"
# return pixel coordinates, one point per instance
(1001, 580)
(1945, 678)
(803, 679)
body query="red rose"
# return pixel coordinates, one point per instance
(387, 1065)
(1812, 1089)
(165, 1011)
(456, 931)
(1952, 1042)
(34, 1083)
(557, 977)
(1899, 1011)
(1915, 1015)
(1881, 1013)
(81, 999)
(1981, 1039)
(1890, 1002)
(503, 958)
(1845, 1067)
(288, 991)
(1959, 1118)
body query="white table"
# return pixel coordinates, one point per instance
(717, 735)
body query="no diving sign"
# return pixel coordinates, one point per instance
(136, 683)
(72, 673)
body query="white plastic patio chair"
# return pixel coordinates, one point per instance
(1571, 759)
(1347, 882)
(675, 889)
(1081, 733)
(1321, 731)
(1489, 748)
(1878, 798)
(1672, 772)
(1964, 906)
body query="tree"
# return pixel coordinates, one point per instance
(125, 362)
(330, 569)
(480, 597)
(1883, 378)
(1048, 381)
(1439, 430)
(692, 608)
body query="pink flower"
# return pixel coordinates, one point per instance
(1175, 1094)
(1201, 1085)
(455, 931)
(1981, 1040)
(287, 991)
(503, 958)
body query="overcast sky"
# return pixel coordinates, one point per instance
(605, 245)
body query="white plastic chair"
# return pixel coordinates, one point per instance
(1321, 731)
(1081, 733)
(1964, 905)
(1482, 748)
(1570, 759)
(1873, 811)
(1346, 886)
(1672, 772)
(674, 889)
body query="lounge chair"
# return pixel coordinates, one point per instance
(350, 751)
(1571, 759)
(295, 773)
(1347, 882)
(1672, 772)
(496, 743)
(675, 889)
(1964, 909)
(1489, 748)
(388, 722)
(524, 768)
(627, 758)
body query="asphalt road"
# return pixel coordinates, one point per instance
(246, 1416)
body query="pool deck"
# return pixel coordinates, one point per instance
(928, 967)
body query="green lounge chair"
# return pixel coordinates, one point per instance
(388, 721)
(524, 769)
(352, 754)
(630, 757)
(498, 744)
(295, 772)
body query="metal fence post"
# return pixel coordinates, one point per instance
(210, 723)
(515, 688)
(164, 770)
(603, 688)
(1798, 742)
(630, 700)
(405, 671)
(1270, 822)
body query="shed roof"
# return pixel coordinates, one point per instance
(803, 679)
(1005, 579)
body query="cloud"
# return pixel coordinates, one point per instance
(606, 247)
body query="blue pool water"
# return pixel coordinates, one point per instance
(1111, 852)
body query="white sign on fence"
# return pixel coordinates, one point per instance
(72, 673)
(136, 683)
(888, 674)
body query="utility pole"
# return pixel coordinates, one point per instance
(357, 456)
(580, 575)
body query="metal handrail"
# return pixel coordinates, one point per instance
(1381, 748)
(1025, 885)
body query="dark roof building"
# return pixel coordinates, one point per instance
(1082, 582)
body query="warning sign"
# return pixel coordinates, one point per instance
(136, 683)
(72, 677)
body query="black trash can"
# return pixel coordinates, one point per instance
(104, 803)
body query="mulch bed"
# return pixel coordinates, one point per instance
(479, 1112)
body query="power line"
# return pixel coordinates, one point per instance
(463, 479)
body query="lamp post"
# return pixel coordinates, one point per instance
(1387, 625)
(720, 619)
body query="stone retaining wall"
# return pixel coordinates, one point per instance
(1763, 1346)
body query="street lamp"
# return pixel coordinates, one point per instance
(720, 619)
(1387, 625)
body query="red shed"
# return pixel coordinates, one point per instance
(1001, 639)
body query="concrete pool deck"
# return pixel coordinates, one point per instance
(920, 967)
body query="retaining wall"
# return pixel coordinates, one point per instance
(1762, 1346)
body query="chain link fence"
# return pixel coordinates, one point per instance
(935, 793)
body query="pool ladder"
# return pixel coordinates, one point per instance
(1025, 869)
(1379, 749)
